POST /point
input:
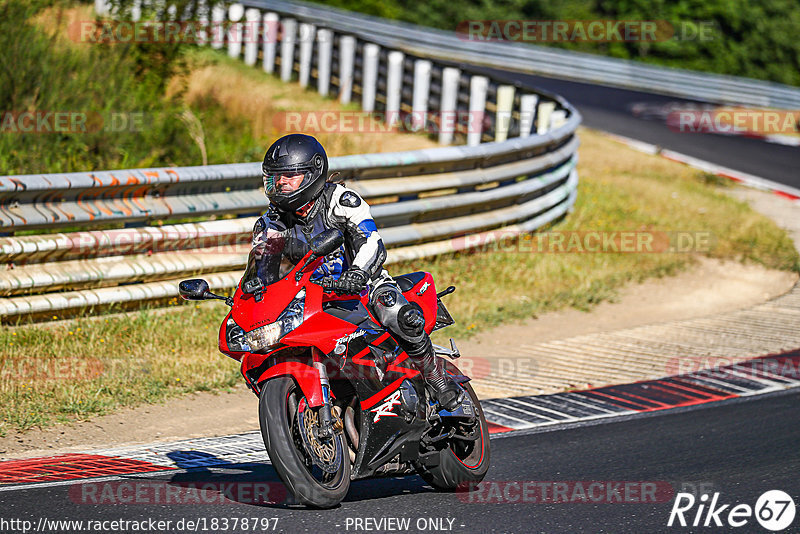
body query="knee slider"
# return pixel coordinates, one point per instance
(411, 320)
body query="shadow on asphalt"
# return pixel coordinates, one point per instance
(259, 485)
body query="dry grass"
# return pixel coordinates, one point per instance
(248, 94)
(63, 23)
(85, 367)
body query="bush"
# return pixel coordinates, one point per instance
(42, 73)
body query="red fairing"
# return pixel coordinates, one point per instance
(427, 301)
(306, 376)
(319, 329)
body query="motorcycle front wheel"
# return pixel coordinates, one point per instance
(297, 460)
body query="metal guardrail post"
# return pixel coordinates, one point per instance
(235, 32)
(289, 27)
(102, 7)
(394, 84)
(217, 27)
(422, 85)
(478, 86)
(306, 36)
(369, 77)
(543, 117)
(324, 52)
(271, 31)
(136, 10)
(557, 118)
(532, 59)
(347, 53)
(505, 106)
(447, 109)
(527, 112)
(202, 18)
(252, 33)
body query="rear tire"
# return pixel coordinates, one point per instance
(460, 466)
(278, 417)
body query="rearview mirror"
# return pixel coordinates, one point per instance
(326, 242)
(194, 289)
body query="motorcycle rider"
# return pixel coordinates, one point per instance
(302, 204)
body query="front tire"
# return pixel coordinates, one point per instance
(460, 464)
(278, 417)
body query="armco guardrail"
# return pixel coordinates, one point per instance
(447, 46)
(426, 202)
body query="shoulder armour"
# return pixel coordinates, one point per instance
(260, 225)
(350, 199)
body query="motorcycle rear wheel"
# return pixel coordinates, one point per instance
(460, 464)
(278, 417)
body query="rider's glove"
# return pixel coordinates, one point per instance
(351, 282)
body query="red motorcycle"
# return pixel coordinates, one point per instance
(338, 398)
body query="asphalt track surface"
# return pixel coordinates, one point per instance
(608, 109)
(739, 448)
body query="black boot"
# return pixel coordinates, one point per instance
(446, 391)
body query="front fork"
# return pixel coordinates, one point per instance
(326, 420)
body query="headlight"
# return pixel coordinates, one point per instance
(234, 335)
(292, 317)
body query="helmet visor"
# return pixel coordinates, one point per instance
(286, 182)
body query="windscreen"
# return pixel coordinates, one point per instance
(272, 259)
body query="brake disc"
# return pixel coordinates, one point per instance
(327, 454)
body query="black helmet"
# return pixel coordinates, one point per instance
(295, 154)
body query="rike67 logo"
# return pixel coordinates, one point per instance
(774, 510)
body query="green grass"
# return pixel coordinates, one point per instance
(92, 366)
